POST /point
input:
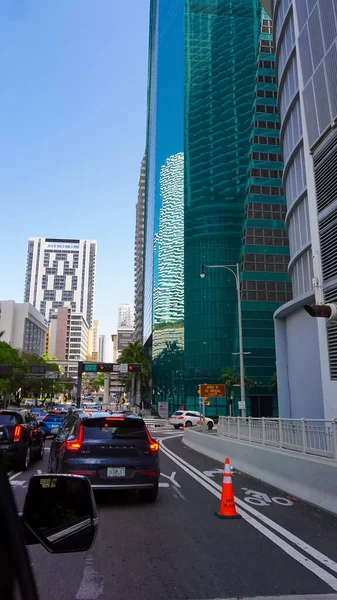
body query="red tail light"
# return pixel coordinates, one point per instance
(154, 446)
(77, 443)
(17, 433)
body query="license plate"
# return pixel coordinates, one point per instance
(116, 471)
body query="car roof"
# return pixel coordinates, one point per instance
(117, 415)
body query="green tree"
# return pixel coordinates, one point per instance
(231, 378)
(8, 356)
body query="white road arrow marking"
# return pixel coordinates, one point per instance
(165, 485)
(172, 478)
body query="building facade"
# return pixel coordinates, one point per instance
(95, 341)
(125, 316)
(306, 65)
(61, 272)
(102, 348)
(68, 338)
(23, 326)
(138, 255)
(213, 197)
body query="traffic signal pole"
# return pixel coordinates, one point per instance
(79, 384)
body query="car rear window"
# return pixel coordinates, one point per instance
(10, 419)
(54, 418)
(116, 428)
(177, 413)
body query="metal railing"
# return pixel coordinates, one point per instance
(317, 437)
(156, 422)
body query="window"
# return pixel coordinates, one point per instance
(271, 141)
(268, 291)
(273, 173)
(267, 64)
(265, 237)
(273, 263)
(270, 156)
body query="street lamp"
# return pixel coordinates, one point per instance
(236, 274)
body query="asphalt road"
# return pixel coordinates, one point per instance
(178, 549)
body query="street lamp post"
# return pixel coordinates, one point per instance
(236, 274)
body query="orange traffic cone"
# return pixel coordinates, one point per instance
(227, 503)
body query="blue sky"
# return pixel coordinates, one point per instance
(72, 134)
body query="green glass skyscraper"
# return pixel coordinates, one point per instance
(201, 200)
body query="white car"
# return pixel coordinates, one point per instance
(189, 418)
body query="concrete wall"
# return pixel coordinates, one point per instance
(309, 478)
(299, 374)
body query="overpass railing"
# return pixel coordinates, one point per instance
(317, 437)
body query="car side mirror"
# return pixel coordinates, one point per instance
(60, 511)
(54, 430)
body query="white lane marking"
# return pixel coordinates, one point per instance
(38, 472)
(316, 554)
(165, 485)
(91, 586)
(15, 475)
(306, 597)
(172, 478)
(212, 473)
(47, 449)
(17, 483)
(10, 473)
(177, 493)
(292, 552)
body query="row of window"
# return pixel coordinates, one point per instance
(270, 156)
(258, 236)
(273, 173)
(266, 79)
(266, 64)
(269, 291)
(266, 108)
(273, 263)
(266, 94)
(266, 190)
(275, 125)
(260, 210)
(261, 139)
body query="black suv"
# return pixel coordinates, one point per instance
(21, 438)
(115, 452)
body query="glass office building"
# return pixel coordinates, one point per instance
(213, 197)
(163, 332)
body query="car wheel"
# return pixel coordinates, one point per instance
(25, 460)
(210, 425)
(188, 424)
(40, 453)
(176, 426)
(149, 495)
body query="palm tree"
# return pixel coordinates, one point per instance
(231, 378)
(134, 354)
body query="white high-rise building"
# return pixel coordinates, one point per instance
(102, 348)
(61, 272)
(125, 315)
(306, 68)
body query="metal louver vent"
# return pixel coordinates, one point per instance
(332, 347)
(328, 239)
(330, 294)
(326, 178)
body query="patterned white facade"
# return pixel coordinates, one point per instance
(169, 244)
(61, 272)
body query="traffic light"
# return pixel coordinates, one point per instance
(104, 368)
(135, 368)
(326, 311)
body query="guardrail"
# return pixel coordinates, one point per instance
(317, 437)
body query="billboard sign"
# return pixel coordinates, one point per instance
(124, 338)
(212, 390)
(163, 409)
